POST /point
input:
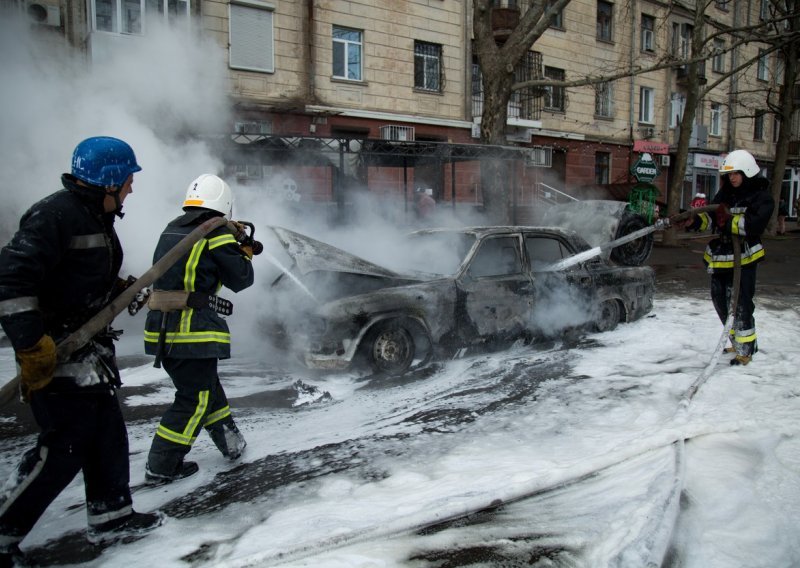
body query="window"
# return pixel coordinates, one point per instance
(427, 66)
(676, 107)
(251, 36)
(776, 128)
(525, 103)
(763, 12)
(681, 40)
(126, 16)
(603, 100)
(346, 53)
(496, 257)
(605, 19)
(780, 69)
(762, 70)
(648, 33)
(722, 4)
(557, 21)
(646, 105)
(758, 125)
(715, 128)
(718, 61)
(602, 166)
(544, 252)
(554, 96)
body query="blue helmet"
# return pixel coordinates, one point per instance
(104, 161)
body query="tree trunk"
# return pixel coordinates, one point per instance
(785, 112)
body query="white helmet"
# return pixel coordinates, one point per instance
(210, 192)
(740, 161)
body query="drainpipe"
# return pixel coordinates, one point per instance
(312, 94)
(467, 60)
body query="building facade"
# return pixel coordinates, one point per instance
(404, 70)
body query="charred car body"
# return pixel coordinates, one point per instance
(479, 286)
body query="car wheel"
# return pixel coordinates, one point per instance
(634, 253)
(608, 316)
(389, 347)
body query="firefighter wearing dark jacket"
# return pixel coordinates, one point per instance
(745, 208)
(193, 339)
(59, 269)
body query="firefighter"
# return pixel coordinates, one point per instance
(745, 208)
(190, 340)
(58, 270)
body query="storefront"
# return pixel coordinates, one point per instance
(791, 189)
(702, 176)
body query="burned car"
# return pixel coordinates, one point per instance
(459, 288)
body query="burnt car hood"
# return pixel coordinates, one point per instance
(310, 255)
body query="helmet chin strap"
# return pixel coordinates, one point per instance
(115, 194)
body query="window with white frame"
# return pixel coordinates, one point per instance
(557, 21)
(677, 105)
(347, 50)
(762, 68)
(604, 100)
(776, 128)
(718, 60)
(763, 12)
(605, 19)
(646, 105)
(427, 66)
(128, 16)
(554, 96)
(251, 37)
(648, 33)
(780, 69)
(715, 126)
(682, 40)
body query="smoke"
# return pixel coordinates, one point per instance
(156, 93)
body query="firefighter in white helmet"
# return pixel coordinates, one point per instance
(745, 208)
(191, 339)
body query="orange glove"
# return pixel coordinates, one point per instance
(37, 365)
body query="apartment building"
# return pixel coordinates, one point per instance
(404, 71)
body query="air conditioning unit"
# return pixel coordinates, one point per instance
(399, 133)
(44, 14)
(665, 160)
(540, 156)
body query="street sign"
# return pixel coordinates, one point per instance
(645, 168)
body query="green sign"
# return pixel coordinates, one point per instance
(645, 169)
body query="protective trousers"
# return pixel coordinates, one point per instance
(200, 401)
(80, 430)
(743, 333)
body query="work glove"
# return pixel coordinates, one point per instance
(722, 214)
(37, 365)
(247, 250)
(139, 301)
(241, 231)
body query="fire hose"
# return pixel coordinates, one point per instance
(105, 316)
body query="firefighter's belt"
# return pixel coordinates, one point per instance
(172, 300)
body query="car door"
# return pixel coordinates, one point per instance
(495, 289)
(564, 298)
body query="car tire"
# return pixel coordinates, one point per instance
(634, 253)
(608, 316)
(389, 347)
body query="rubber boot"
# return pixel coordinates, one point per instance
(228, 439)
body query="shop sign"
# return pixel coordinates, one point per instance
(645, 169)
(708, 161)
(650, 147)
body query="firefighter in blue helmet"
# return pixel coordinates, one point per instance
(744, 210)
(59, 270)
(189, 338)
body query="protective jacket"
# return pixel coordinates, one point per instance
(59, 270)
(213, 262)
(751, 208)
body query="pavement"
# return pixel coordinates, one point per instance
(680, 267)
